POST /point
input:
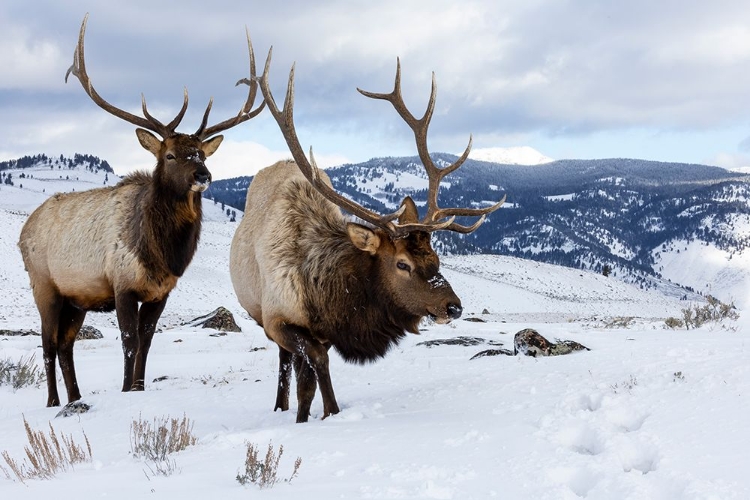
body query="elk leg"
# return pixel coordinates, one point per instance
(299, 341)
(126, 305)
(285, 376)
(49, 303)
(148, 316)
(71, 319)
(306, 386)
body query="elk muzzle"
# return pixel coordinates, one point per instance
(201, 181)
(449, 307)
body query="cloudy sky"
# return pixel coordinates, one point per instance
(660, 80)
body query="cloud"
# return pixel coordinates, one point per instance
(504, 69)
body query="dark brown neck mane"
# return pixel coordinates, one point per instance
(165, 227)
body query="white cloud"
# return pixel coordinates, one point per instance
(29, 62)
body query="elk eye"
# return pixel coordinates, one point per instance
(170, 156)
(403, 266)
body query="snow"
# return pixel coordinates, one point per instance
(648, 413)
(518, 155)
(707, 269)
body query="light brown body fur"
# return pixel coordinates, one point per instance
(113, 248)
(313, 281)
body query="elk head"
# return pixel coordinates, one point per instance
(180, 157)
(399, 242)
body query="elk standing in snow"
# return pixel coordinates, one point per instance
(113, 247)
(314, 281)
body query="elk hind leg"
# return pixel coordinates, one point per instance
(302, 344)
(306, 386)
(285, 377)
(49, 303)
(71, 319)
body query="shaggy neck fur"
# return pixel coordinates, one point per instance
(165, 226)
(348, 303)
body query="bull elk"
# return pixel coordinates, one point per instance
(115, 247)
(314, 280)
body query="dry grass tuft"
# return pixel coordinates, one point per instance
(46, 455)
(264, 473)
(21, 373)
(155, 442)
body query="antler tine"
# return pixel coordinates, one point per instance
(432, 221)
(285, 119)
(172, 126)
(78, 69)
(246, 111)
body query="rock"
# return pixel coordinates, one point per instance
(485, 311)
(464, 341)
(89, 333)
(475, 319)
(221, 319)
(493, 352)
(566, 347)
(74, 408)
(19, 333)
(531, 343)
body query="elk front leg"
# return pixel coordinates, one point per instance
(285, 377)
(126, 304)
(148, 316)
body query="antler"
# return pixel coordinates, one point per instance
(433, 221)
(285, 119)
(245, 112)
(434, 173)
(78, 69)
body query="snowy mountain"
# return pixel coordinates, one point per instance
(634, 216)
(618, 421)
(518, 155)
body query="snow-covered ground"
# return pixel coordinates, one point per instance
(648, 413)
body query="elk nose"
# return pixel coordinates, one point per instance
(454, 311)
(202, 178)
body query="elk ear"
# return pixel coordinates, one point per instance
(363, 238)
(410, 214)
(210, 146)
(149, 141)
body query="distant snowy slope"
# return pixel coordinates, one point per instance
(707, 269)
(33, 184)
(518, 155)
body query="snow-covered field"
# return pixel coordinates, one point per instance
(648, 413)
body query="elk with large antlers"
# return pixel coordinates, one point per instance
(115, 247)
(314, 281)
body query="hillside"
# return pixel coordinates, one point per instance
(26, 182)
(630, 215)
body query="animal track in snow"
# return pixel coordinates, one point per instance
(605, 430)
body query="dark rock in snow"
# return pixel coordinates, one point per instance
(464, 341)
(74, 408)
(221, 319)
(18, 333)
(529, 342)
(89, 333)
(493, 352)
